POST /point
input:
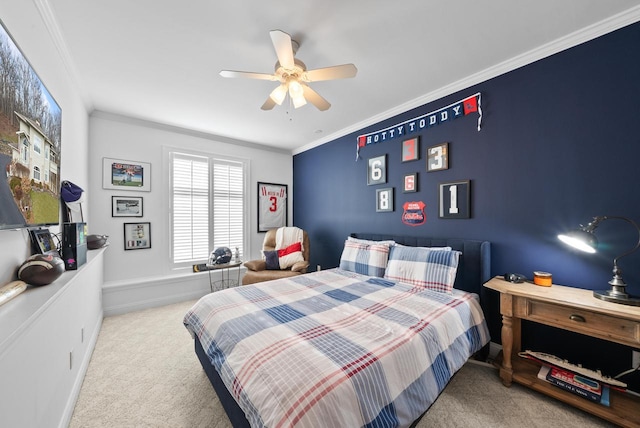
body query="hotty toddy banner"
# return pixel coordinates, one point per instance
(445, 114)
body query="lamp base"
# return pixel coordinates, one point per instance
(610, 296)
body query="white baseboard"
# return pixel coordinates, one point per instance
(119, 297)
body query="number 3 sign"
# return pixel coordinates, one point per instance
(455, 199)
(272, 206)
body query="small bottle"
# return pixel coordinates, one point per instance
(237, 255)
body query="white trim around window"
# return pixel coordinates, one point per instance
(209, 205)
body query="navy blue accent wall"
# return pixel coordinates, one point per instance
(560, 143)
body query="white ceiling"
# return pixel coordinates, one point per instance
(158, 60)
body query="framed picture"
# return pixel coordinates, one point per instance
(455, 198)
(272, 206)
(137, 236)
(377, 170)
(384, 200)
(410, 183)
(411, 149)
(121, 174)
(438, 157)
(126, 206)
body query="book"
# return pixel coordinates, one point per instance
(552, 360)
(580, 385)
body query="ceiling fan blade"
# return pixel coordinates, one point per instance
(344, 71)
(314, 98)
(248, 75)
(284, 50)
(268, 104)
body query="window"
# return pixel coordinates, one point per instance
(208, 200)
(37, 143)
(25, 150)
(36, 173)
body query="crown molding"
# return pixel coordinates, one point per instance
(51, 23)
(130, 120)
(585, 34)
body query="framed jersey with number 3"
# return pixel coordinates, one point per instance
(455, 199)
(272, 206)
(438, 157)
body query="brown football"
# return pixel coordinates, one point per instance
(41, 269)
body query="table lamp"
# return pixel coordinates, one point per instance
(584, 239)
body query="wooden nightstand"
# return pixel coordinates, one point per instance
(572, 309)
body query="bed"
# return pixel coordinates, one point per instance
(364, 344)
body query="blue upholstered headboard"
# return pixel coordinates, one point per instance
(474, 267)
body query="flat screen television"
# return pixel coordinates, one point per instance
(30, 143)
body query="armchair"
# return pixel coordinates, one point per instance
(257, 269)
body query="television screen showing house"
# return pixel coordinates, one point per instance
(124, 174)
(30, 143)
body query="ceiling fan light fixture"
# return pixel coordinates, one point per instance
(294, 76)
(298, 100)
(278, 94)
(295, 89)
(296, 93)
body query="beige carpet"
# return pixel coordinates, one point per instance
(144, 373)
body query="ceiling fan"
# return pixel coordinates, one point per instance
(294, 76)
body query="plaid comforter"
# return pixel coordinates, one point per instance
(335, 348)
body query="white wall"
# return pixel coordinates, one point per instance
(27, 27)
(142, 278)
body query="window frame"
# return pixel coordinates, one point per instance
(212, 158)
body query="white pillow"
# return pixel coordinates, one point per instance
(369, 242)
(426, 267)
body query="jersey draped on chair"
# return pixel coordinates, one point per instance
(285, 253)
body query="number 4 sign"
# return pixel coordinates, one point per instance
(455, 199)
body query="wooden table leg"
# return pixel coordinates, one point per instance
(506, 371)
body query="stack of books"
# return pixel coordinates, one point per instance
(580, 385)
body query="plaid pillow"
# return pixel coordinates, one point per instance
(364, 259)
(423, 267)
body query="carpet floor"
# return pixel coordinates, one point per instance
(144, 373)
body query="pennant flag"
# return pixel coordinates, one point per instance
(470, 105)
(446, 114)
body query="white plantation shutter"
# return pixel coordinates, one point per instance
(190, 208)
(207, 196)
(228, 205)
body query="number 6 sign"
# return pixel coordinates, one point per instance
(377, 170)
(455, 199)
(272, 206)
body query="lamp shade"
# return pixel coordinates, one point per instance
(584, 239)
(278, 94)
(580, 239)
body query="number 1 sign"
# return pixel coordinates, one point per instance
(455, 199)
(272, 206)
